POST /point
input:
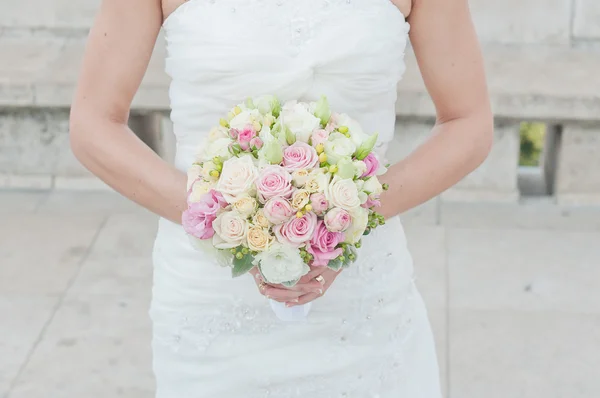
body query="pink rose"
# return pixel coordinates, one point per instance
(319, 203)
(198, 218)
(372, 164)
(278, 210)
(274, 181)
(300, 155)
(323, 245)
(372, 201)
(337, 220)
(319, 137)
(256, 143)
(245, 136)
(234, 133)
(296, 231)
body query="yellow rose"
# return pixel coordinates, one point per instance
(246, 205)
(258, 239)
(300, 199)
(260, 219)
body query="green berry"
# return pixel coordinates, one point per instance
(239, 255)
(245, 250)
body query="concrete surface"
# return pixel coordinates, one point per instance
(511, 291)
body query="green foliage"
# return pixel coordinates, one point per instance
(241, 265)
(532, 143)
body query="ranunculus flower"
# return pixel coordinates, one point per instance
(274, 181)
(300, 198)
(296, 231)
(237, 178)
(360, 219)
(260, 219)
(278, 210)
(338, 146)
(245, 205)
(258, 239)
(319, 137)
(300, 155)
(198, 218)
(342, 193)
(337, 220)
(299, 120)
(372, 164)
(230, 230)
(245, 136)
(281, 263)
(319, 203)
(323, 245)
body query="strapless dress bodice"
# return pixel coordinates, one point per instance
(220, 52)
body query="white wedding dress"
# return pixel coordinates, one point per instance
(217, 337)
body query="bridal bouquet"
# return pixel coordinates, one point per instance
(282, 188)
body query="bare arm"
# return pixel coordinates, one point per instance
(450, 61)
(117, 55)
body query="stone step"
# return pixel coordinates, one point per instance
(546, 83)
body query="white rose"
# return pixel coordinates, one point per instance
(299, 120)
(245, 205)
(338, 146)
(237, 178)
(372, 185)
(361, 167)
(230, 230)
(342, 193)
(357, 135)
(217, 133)
(199, 189)
(220, 147)
(299, 177)
(193, 174)
(246, 118)
(360, 219)
(281, 263)
(258, 239)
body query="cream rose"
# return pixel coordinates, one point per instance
(193, 174)
(300, 199)
(317, 182)
(246, 118)
(245, 205)
(260, 219)
(258, 239)
(299, 177)
(219, 147)
(299, 120)
(237, 178)
(230, 230)
(198, 190)
(342, 193)
(338, 146)
(360, 219)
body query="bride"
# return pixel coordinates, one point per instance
(367, 334)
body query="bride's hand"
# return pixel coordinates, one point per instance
(324, 276)
(285, 294)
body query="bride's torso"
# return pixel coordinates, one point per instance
(221, 51)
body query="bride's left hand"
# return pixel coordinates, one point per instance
(323, 275)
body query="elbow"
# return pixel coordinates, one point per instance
(482, 139)
(78, 135)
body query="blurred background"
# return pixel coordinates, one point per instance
(508, 260)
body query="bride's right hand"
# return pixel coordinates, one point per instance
(282, 293)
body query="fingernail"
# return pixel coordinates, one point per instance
(320, 291)
(294, 300)
(267, 296)
(289, 305)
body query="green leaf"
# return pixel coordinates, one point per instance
(241, 266)
(290, 137)
(335, 264)
(366, 147)
(290, 283)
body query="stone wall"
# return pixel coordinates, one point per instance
(542, 58)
